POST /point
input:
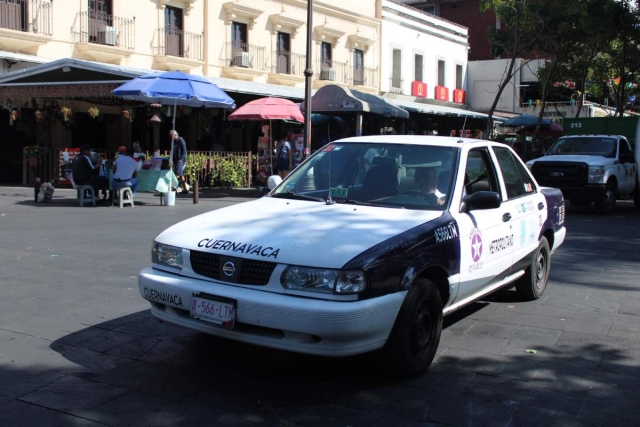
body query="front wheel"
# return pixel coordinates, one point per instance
(532, 285)
(606, 203)
(415, 337)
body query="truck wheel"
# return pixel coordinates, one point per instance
(532, 285)
(636, 196)
(606, 204)
(416, 333)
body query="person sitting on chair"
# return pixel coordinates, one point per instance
(426, 179)
(125, 171)
(85, 172)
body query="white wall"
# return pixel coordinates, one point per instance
(483, 80)
(419, 33)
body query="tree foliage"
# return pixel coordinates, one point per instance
(593, 44)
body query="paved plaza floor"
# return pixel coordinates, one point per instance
(78, 346)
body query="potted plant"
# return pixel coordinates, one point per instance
(31, 153)
(94, 112)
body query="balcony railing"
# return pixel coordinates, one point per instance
(245, 55)
(176, 42)
(30, 16)
(101, 28)
(284, 62)
(395, 85)
(365, 76)
(331, 70)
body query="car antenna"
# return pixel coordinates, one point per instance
(330, 201)
(463, 126)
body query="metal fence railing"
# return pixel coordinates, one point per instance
(30, 16)
(331, 70)
(101, 28)
(238, 54)
(365, 76)
(285, 62)
(395, 85)
(176, 42)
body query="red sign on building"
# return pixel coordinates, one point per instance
(419, 89)
(459, 96)
(442, 93)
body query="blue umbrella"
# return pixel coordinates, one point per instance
(524, 120)
(177, 88)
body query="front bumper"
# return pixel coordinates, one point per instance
(298, 324)
(587, 192)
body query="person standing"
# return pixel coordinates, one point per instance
(284, 155)
(179, 159)
(85, 172)
(125, 171)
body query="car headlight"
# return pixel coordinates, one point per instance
(170, 256)
(324, 280)
(596, 174)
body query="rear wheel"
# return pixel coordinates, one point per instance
(532, 285)
(416, 333)
(606, 203)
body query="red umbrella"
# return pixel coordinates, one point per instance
(268, 109)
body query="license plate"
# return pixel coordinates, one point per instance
(216, 310)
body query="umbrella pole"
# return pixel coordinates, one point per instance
(270, 147)
(175, 102)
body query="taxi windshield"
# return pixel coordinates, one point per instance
(406, 176)
(588, 146)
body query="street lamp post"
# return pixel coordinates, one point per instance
(308, 73)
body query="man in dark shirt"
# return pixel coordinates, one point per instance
(179, 158)
(85, 172)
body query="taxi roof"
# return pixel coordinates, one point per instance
(442, 141)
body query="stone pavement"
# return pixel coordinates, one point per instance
(78, 346)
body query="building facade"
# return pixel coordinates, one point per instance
(261, 41)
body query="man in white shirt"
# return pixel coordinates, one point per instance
(125, 171)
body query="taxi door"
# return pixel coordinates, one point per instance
(481, 230)
(526, 204)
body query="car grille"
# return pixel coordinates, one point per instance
(253, 272)
(561, 174)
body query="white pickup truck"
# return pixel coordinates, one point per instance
(590, 169)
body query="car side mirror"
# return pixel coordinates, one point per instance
(273, 181)
(481, 200)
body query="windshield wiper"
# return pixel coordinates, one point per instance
(361, 203)
(297, 196)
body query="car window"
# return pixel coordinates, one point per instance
(624, 148)
(515, 176)
(588, 146)
(411, 176)
(479, 173)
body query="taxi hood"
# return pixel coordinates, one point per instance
(292, 231)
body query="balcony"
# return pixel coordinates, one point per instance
(25, 25)
(102, 37)
(365, 78)
(287, 68)
(395, 85)
(331, 72)
(176, 49)
(244, 61)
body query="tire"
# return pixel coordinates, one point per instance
(534, 282)
(606, 203)
(415, 337)
(636, 196)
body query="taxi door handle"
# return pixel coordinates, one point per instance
(506, 217)
(540, 206)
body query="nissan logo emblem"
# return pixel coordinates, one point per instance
(229, 268)
(556, 174)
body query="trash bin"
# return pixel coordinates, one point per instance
(170, 198)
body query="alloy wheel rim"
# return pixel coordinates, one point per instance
(541, 270)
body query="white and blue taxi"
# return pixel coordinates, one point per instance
(364, 246)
